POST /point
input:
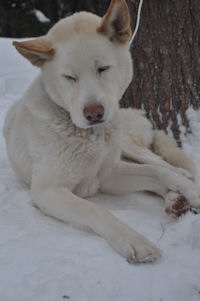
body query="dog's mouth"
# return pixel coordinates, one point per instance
(96, 122)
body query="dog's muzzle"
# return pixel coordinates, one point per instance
(94, 113)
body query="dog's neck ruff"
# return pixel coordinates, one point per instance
(98, 131)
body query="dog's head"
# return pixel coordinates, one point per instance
(86, 63)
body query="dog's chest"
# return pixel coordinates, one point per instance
(82, 152)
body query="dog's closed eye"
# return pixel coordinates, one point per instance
(102, 69)
(70, 78)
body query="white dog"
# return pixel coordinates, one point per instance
(68, 138)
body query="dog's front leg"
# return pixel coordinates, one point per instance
(59, 202)
(130, 177)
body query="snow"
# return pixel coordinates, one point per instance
(42, 259)
(40, 16)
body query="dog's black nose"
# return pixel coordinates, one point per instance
(93, 112)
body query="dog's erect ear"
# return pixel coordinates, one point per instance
(116, 22)
(36, 51)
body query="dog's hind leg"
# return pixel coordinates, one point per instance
(139, 139)
(163, 147)
(139, 153)
(130, 177)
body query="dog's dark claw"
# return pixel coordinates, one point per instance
(194, 210)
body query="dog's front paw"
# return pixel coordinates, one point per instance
(176, 204)
(183, 186)
(192, 196)
(144, 251)
(135, 248)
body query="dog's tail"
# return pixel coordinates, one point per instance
(163, 147)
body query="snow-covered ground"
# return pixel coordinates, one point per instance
(42, 259)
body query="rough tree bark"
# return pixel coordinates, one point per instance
(166, 62)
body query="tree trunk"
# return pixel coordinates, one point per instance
(166, 62)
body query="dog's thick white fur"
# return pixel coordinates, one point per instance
(55, 140)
